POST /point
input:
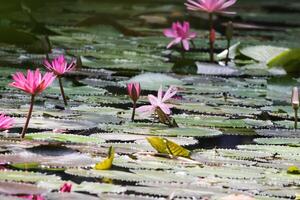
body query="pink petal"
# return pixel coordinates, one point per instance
(146, 110)
(169, 93)
(169, 33)
(192, 35)
(165, 108)
(228, 4)
(176, 41)
(153, 100)
(186, 45)
(159, 94)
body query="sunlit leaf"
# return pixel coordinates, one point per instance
(165, 146)
(293, 170)
(289, 60)
(107, 163)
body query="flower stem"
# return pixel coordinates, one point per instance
(62, 91)
(211, 43)
(133, 111)
(296, 118)
(28, 117)
(182, 52)
(227, 55)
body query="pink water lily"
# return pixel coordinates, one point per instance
(134, 91)
(59, 65)
(180, 34)
(210, 6)
(34, 83)
(159, 102)
(66, 187)
(6, 122)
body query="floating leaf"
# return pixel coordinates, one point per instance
(262, 53)
(107, 163)
(289, 60)
(293, 170)
(212, 69)
(152, 81)
(61, 137)
(163, 145)
(20, 188)
(279, 141)
(26, 166)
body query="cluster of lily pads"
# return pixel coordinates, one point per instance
(99, 131)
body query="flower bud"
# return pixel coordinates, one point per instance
(66, 187)
(134, 91)
(295, 98)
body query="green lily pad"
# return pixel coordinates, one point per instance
(262, 53)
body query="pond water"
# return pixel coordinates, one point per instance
(235, 133)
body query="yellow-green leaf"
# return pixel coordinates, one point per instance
(289, 60)
(158, 144)
(26, 166)
(177, 150)
(165, 146)
(293, 170)
(107, 163)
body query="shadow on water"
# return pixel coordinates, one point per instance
(222, 142)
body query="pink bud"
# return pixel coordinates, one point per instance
(134, 91)
(295, 98)
(66, 187)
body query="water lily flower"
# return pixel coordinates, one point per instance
(295, 104)
(134, 91)
(210, 7)
(159, 102)
(59, 66)
(66, 187)
(6, 122)
(180, 34)
(34, 83)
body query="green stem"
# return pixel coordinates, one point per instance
(182, 51)
(211, 43)
(193, 44)
(62, 91)
(133, 111)
(28, 117)
(227, 55)
(296, 118)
